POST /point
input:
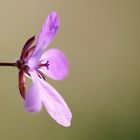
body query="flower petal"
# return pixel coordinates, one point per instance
(55, 104)
(58, 64)
(33, 101)
(47, 33)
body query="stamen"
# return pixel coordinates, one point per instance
(45, 65)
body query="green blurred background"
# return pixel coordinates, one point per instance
(102, 41)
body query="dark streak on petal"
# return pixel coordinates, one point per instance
(41, 75)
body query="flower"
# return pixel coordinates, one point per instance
(34, 63)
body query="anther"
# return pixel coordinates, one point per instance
(47, 64)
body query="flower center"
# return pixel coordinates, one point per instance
(22, 66)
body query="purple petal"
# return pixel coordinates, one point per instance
(58, 64)
(55, 104)
(33, 62)
(48, 32)
(33, 101)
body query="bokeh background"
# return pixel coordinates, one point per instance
(101, 38)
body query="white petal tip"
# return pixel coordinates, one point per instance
(66, 122)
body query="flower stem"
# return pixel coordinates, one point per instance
(8, 64)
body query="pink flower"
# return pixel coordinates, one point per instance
(34, 63)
